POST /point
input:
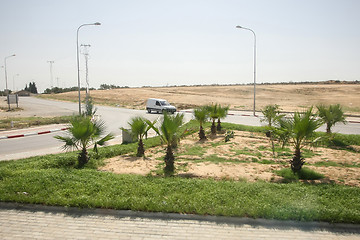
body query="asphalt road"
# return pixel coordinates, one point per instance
(114, 119)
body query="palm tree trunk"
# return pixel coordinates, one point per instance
(273, 146)
(218, 127)
(328, 128)
(297, 162)
(83, 157)
(140, 150)
(213, 127)
(202, 135)
(169, 161)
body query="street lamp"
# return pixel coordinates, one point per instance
(77, 56)
(51, 74)
(6, 85)
(254, 62)
(14, 81)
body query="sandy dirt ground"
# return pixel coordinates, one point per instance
(289, 97)
(242, 158)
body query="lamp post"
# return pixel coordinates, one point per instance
(77, 57)
(51, 74)
(254, 62)
(6, 85)
(14, 81)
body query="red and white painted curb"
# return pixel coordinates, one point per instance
(33, 133)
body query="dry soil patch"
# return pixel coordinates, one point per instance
(247, 156)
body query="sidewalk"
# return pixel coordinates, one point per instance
(19, 221)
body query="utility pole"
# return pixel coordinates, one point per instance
(85, 52)
(51, 73)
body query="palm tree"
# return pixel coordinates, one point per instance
(331, 115)
(301, 129)
(271, 116)
(201, 115)
(214, 114)
(222, 113)
(139, 128)
(90, 110)
(83, 133)
(170, 135)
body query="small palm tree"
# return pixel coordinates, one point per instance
(222, 113)
(301, 129)
(169, 133)
(139, 128)
(214, 114)
(201, 115)
(271, 116)
(83, 133)
(331, 115)
(90, 110)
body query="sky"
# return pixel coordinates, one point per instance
(183, 42)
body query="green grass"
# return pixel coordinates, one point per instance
(304, 174)
(340, 141)
(214, 158)
(196, 150)
(93, 189)
(31, 121)
(326, 164)
(335, 164)
(244, 151)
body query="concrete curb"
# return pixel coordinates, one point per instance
(33, 133)
(230, 114)
(249, 115)
(236, 221)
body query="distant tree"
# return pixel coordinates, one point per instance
(62, 90)
(32, 88)
(105, 86)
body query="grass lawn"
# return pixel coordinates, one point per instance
(55, 180)
(24, 122)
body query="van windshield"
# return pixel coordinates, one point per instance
(164, 103)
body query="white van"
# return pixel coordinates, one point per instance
(159, 105)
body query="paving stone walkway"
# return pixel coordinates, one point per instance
(42, 222)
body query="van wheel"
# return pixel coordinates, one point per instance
(149, 110)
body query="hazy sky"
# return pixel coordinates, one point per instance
(184, 42)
